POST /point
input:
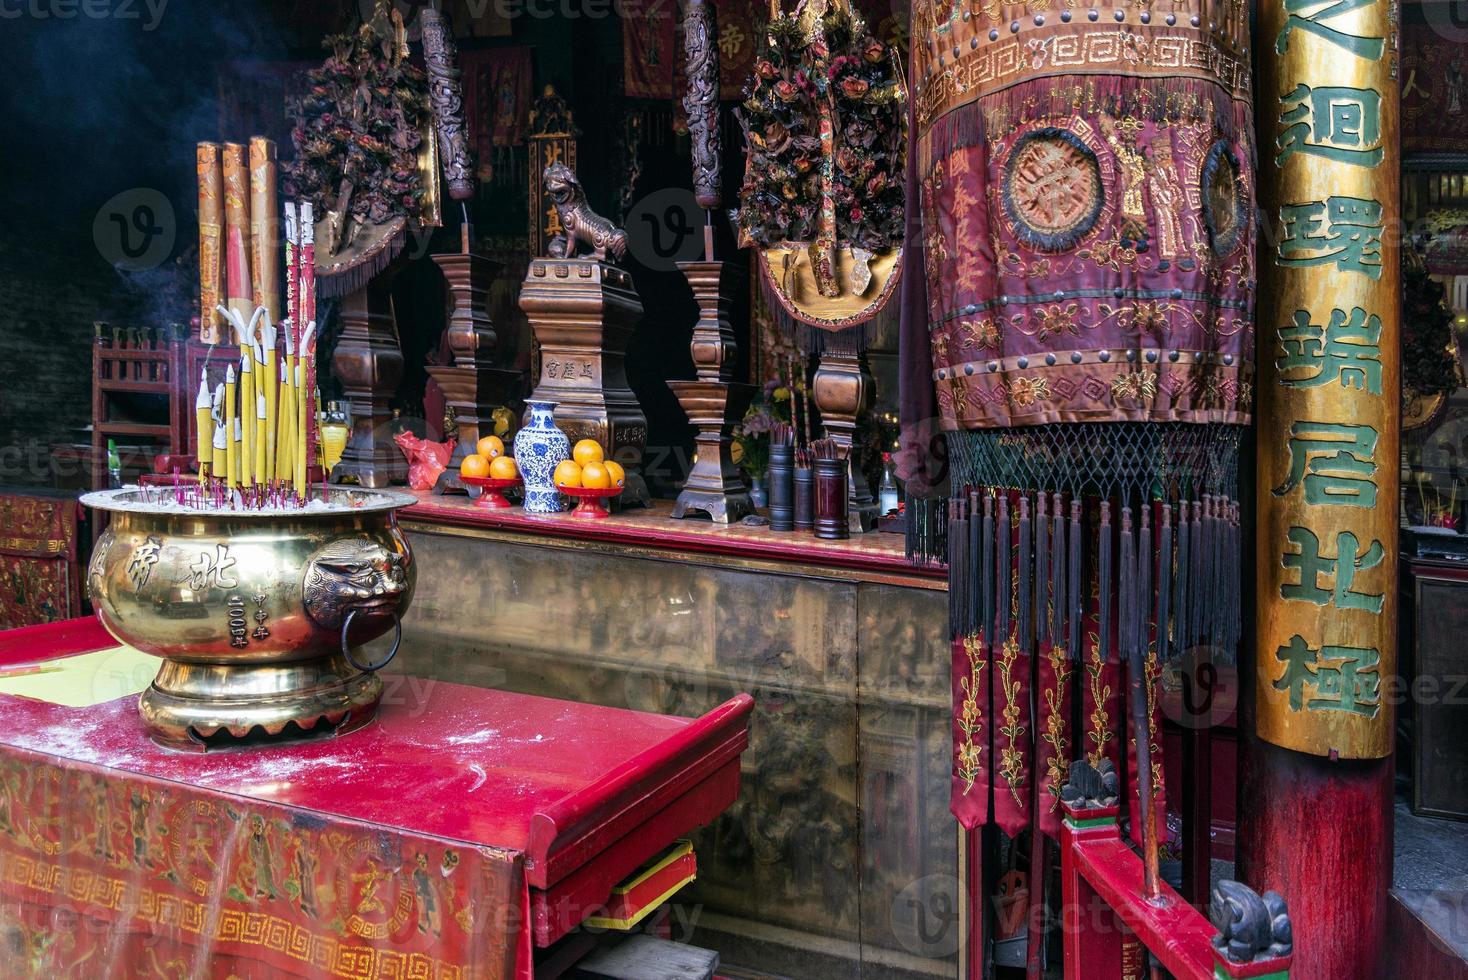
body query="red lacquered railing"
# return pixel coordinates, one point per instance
(1108, 920)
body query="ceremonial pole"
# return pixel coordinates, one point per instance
(1315, 813)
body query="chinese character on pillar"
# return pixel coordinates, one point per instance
(1330, 375)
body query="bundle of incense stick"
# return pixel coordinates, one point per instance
(926, 529)
(265, 418)
(782, 434)
(828, 449)
(211, 243)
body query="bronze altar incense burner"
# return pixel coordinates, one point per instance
(259, 615)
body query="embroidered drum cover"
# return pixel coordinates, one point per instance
(1087, 204)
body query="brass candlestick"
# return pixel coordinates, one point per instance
(713, 403)
(473, 386)
(583, 312)
(842, 388)
(370, 365)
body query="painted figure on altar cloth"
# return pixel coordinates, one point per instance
(138, 806)
(102, 825)
(430, 918)
(302, 880)
(261, 858)
(9, 797)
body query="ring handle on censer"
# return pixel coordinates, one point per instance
(397, 641)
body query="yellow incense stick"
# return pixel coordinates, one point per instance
(247, 415)
(284, 461)
(232, 450)
(203, 430)
(272, 386)
(261, 475)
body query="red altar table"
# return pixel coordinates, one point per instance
(448, 839)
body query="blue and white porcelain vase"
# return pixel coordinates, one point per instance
(539, 448)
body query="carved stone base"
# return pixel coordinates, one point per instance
(715, 485)
(842, 387)
(583, 313)
(370, 366)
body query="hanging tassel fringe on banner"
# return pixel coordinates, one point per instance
(1075, 551)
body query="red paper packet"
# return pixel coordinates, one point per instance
(426, 460)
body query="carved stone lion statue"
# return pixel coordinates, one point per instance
(579, 224)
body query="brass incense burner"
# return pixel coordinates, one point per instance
(259, 616)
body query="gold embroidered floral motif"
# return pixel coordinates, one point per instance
(1057, 320)
(1151, 315)
(1011, 759)
(940, 348)
(971, 716)
(1055, 725)
(1100, 734)
(1137, 385)
(980, 334)
(989, 9)
(960, 398)
(1154, 680)
(1026, 391)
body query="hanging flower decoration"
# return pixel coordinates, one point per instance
(853, 74)
(781, 195)
(358, 128)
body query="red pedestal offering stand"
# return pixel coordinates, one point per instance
(591, 502)
(492, 495)
(458, 833)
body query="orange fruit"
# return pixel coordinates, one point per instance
(568, 474)
(595, 476)
(588, 451)
(490, 447)
(503, 468)
(474, 466)
(615, 471)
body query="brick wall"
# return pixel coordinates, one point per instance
(50, 293)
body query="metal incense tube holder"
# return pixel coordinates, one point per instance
(832, 505)
(805, 498)
(782, 488)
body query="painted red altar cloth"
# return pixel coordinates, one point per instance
(445, 840)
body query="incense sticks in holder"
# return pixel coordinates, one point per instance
(832, 506)
(805, 494)
(782, 478)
